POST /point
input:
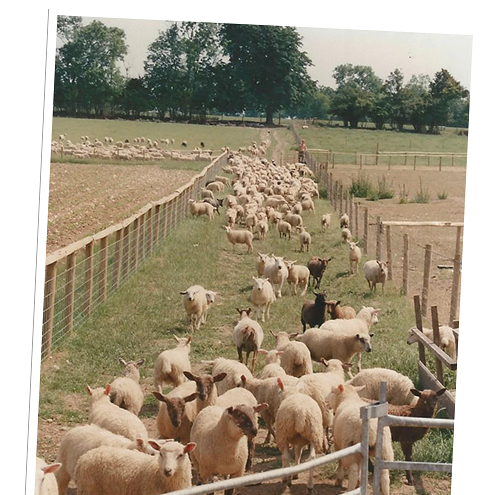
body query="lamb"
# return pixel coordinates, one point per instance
(308, 205)
(233, 371)
(346, 403)
(299, 423)
(79, 440)
(326, 221)
(314, 312)
(125, 390)
(195, 304)
(202, 208)
(399, 387)
(262, 229)
(111, 417)
(220, 436)
(317, 267)
(239, 237)
(247, 336)
(298, 275)
(446, 338)
(425, 407)
(354, 257)
(262, 297)
(273, 366)
(184, 144)
(305, 239)
(171, 364)
(45, 481)
(262, 261)
(344, 221)
(177, 411)
(346, 234)
(110, 470)
(206, 388)
(335, 345)
(296, 358)
(284, 229)
(336, 311)
(375, 273)
(293, 219)
(277, 274)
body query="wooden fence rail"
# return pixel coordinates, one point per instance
(72, 294)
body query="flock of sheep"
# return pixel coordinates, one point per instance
(208, 422)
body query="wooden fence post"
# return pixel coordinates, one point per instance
(48, 308)
(69, 299)
(390, 159)
(378, 148)
(406, 158)
(117, 259)
(415, 162)
(157, 224)
(164, 221)
(341, 198)
(418, 321)
(406, 263)
(365, 237)
(335, 194)
(437, 341)
(389, 252)
(135, 247)
(356, 219)
(351, 216)
(103, 269)
(379, 238)
(427, 277)
(126, 244)
(457, 272)
(440, 162)
(89, 278)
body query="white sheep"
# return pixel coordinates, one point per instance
(202, 208)
(262, 261)
(239, 237)
(111, 417)
(446, 337)
(233, 371)
(284, 229)
(335, 345)
(375, 273)
(398, 386)
(125, 390)
(113, 471)
(247, 336)
(326, 221)
(346, 234)
(171, 364)
(298, 424)
(344, 221)
(298, 275)
(305, 239)
(221, 437)
(262, 229)
(45, 481)
(346, 403)
(277, 273)
(296, 358)
(195, 304)
(262, 297)
(354, 257)
(79, 440)
(273, 366)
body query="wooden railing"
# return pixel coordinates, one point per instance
(79, 277)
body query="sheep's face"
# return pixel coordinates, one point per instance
(353, 246)
(412, 338)
(427, 401)
(365, 341)
(279, 263)
(176, 406)
(382, 266)
(204, 383)
(172, 456)
(210, 294)
(244, 418)
(259, 283)
(183, 341)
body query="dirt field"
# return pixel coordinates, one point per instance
(442, 239)
(84, 199)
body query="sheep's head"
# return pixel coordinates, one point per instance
(412, 337)
(365, 341)
(340, 393)
(204, 383)
(382, 266)
(244, 312)
(279, 262)
(183, 341)
(427, 401)
(320, 298)
(245, 418)
(176, 406)
(172, 456)
(131, 368)
(189, 293)
(259, 282)
(353, 245)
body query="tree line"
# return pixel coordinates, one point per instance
(193, 70)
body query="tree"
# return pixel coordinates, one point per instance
(444, 89)
(416, 101)
(268, 63)
(87, 75)
(357, 86)
(394, 97)
(67, 26)
(315, 104)
(135, 97)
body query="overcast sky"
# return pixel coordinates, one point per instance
(384, 51)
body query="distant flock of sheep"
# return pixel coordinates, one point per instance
(208, 422)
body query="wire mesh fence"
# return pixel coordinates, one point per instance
(81, 276)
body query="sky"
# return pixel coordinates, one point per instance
(384, 51)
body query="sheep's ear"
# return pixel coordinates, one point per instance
(280, 385)
(139, 363)
(189, 376)
(337, 303)
(346, 366)
(155, 445)
(280, 353)
(416, 392)
(340, 388)
(376, 311)
(52, 468)
(140, 443)
(188, 341)
(191, 397)
(189, 447)
(160, 396)
(122, 361)
(177, 338)
(324, 361)
(239, 310)
(260, 407)
(440, 392)
(89, 390)
(230, 410)
(293, 335)
(183, 293)
(360, 388)
(263, 351)
(108, 389)
(220, 377)
(372, 335)
(243, 380)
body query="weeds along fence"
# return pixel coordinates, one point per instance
(377, 411)
(81, 276)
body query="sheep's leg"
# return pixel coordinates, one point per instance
(246, 360)
(251, 449)
(340, 474)
(359, 361)
(310, 481)
(285, 461)
(240, 354)
(268, 307)
(298, 456)
(353, 476)
(407, 448)
(253, 361)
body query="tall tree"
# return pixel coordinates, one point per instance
(357, 86)
(135, 97)
(394, 94)
(269, 63)
(416, 101)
